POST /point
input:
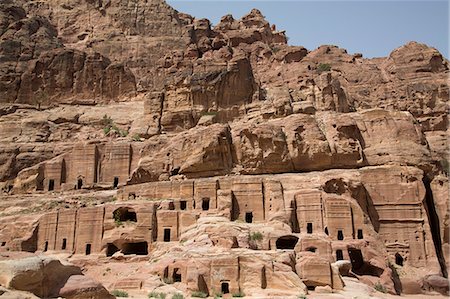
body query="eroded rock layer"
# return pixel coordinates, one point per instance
(218, 159)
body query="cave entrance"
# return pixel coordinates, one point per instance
(176, 276)
(64, 244)
(356, 259)
(286, 242)
(167, 235)
(51, 185)
(111, 249)
(139, 248)
(311, 249)
(79, 183)
(398, 259)
(124, 214)
(88, 249)
(339, 255)
(183, 205)
(340, 235)
(205, 204)
(249, 217)
(46, 246)
(309, 228)
(360, 234)
(225, 287)
(116, 182)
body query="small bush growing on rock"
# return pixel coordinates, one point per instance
(256, 236)
(199, 294)
(302, 296)
(119, 293)
(238, 294)
(157, 295)
(380, 288)
(178, 296)
(323, 67)
(136, 137)
(218, 295)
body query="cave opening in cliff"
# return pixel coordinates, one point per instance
(138, 248)
(79, 183)
(111, 249)
(326, 231)
(339, 255)
(286, 242)
(176, 276)
(360, 267)
(205, 204)
(116, 182)
(3, 244)
(46, 246)
(167, 235)
(225, 287)
(249, 217)
(311, 249)
(309, 228)
(123, 214)
(51, 185)
(183, 205)
(88, 249)
(433, 220)
(340, 235)
(398, 259)
(360, 234)
(64, 244)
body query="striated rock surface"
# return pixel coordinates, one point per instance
(159, 153)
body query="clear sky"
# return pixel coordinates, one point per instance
(373, 28)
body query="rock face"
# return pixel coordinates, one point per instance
(47, 277)
(237, 162)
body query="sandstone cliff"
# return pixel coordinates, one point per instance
(235, 152)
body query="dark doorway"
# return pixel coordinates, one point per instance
(225, 288)
(339, 255)
(64, 244)
(124, 214)
(46, 246)
(286, 242)
(326, 231)
(398, 259)
(249, 217)
(183, 205)
(309, 228)
(139, 248)
(171, 206)
(79, 183)
(51, 185)
(340, 235)
(88, 249)
(116, 182)
(356, 259)
(167, 235)
(111, 249)
(360, 234)
(176, 275)
(205, 204)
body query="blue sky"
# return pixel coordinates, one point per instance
(373, 28)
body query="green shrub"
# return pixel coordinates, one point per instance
(238, 294)
(199, 294)
(136, 137)
(178, 296)
(256, 236)
(157, 295)
(380, 288)
(218, 295)
(119, 293)
(302, 296)
(323, 67)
